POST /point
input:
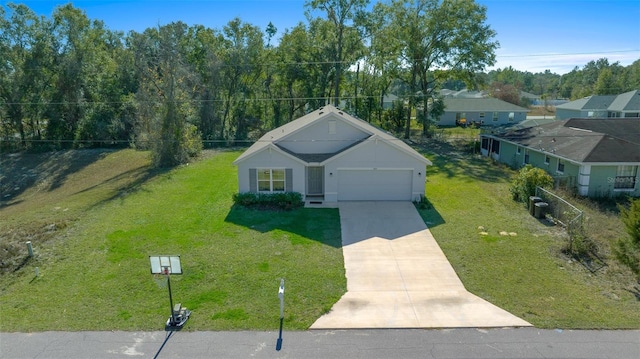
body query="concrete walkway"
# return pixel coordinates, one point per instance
(398, 277)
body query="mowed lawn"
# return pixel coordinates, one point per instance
(94, 269)
(96, 275)
(523, 271)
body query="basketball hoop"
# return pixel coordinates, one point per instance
(160, 280)
(162, 267)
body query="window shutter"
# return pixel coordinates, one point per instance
(288, 180)
(253, 180)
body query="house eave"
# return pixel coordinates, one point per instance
(272, 147)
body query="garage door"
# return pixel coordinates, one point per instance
(374, 185)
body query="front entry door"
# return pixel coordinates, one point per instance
(315, 181)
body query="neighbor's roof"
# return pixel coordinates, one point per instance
(615, 140)
(489, 104)
(529, 95)
(628, 101)
(464, 93)
(271, 138)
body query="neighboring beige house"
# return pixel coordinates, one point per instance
(330, 156)
(482, 111)
(625, 105)
(597, 157)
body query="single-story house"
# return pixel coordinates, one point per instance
(330, 156)
(625, 105)
(464, 93)
(597, 157)
(388, 100)
(483, 111)
(532, 98)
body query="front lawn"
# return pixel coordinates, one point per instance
(95, 274)
(94, 225)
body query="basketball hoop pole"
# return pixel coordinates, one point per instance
(173, 318)
(169, 265)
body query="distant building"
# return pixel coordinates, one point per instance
(602, 106)
(482, 111)
(464, 93)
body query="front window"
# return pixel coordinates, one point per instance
(560, 166)
(512, 116)
(526, 157)
(625, 177)
(271, 180)
(495, 116)
(546, 160)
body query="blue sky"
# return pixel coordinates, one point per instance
(534, 35)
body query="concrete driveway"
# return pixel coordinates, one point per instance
(398, 277)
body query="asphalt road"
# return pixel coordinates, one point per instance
(377, 343)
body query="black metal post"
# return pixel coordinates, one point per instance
(172, 321)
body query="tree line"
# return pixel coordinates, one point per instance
(67, 81)
(597, 77)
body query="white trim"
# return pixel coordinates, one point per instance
(584, 177)
(271, 169)
(271, 148)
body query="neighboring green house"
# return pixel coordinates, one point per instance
(597, 157)
(625, 105)
(482, 111)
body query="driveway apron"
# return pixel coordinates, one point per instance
(398, 277)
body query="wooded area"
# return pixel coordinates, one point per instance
(67, 81)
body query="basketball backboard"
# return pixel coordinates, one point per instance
(165, 265)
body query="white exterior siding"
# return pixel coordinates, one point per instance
(316, 138)
(346, 154)
(371, 158)
(271, 158)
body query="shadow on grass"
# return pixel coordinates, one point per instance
(452, 161)
(21, 171)
(430, 216)
(635, 291)
(141, 175)
(317, 224)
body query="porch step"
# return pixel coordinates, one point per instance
(319, 204)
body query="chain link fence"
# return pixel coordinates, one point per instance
(563, 212)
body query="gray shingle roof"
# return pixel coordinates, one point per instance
(272, 137)
(628, 101)
(584, 140)
(480, 105)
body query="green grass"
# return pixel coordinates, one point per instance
(109, 212)
(94, 275)
(526, 274)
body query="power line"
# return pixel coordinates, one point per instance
(571, 53)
